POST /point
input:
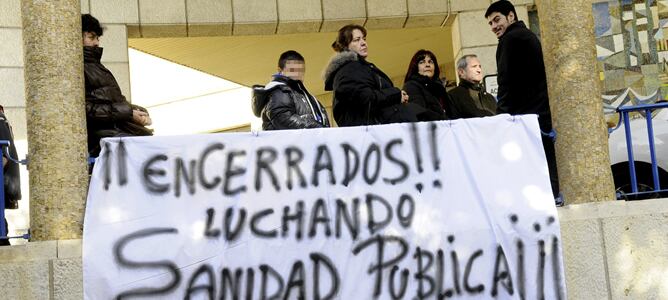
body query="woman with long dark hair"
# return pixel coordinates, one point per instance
(424, 87)
(363, 94)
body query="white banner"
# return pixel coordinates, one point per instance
(452, 209)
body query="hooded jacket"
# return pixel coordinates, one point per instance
(521, 75)
(286, 104)
(363, 94)
(108, 113)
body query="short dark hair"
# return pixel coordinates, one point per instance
(346, 36)
(503, 7)
(417, 57)
(90, 24)
(289, 55)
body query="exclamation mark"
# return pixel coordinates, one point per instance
(107, 165)
(122, 164)
(435, 159)
(418, 154)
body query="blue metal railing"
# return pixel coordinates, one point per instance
(4, 144)
(624, 117)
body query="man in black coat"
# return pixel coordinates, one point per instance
(108, 113)
(12, 179)
(469, 99)
(284, 103)
(521, 75)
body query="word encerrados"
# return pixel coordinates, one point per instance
(162, 174)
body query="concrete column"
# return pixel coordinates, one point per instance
(55, 113)
(575, 100)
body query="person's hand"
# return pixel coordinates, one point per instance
(141, 117)
(404, 97)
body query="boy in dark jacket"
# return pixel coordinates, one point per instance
(108, 113)
(284, 103)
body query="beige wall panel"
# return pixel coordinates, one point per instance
(335, 25)
(299, 10)
(339, 13)
(299, 16)
(385, 23)
(209, 11)
(584, 264)
(121, 71)
(467, 5)
(386, 8)
(67, 278)
(117, 11)
(486, 55)
(638, 255)
(11, 47)
(25, 280)
(43, 250)
(414, 21)
(115, 43)
(163, 31)
(522, 14)
(17, 117)
(85, 7)
(11, 13)
(162, 11)
(523, 2)
(12, 92)
(474, 30)
(253, 17)
(298, 27)
(254, 28)
(209, 29)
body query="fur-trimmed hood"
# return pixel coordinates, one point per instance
(335, 64)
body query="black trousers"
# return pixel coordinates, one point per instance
(551, 157)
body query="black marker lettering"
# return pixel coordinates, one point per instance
(231, 172)
(209, 185)
(297, 217)
(294, 156)
(149, 172)
(263, 162)
(375, 170)
(350, 173)
(188, 175)
(208, 287)
(403, 165)
(319, 215)
(127, 263)
(323, 161)
(351, 219)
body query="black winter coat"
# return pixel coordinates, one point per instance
(363, 94)
(12, 178)
(108, 113)
(286, 104)
(428, 95)
(521, 75)
(470, 100)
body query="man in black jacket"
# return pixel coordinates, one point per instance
(469, 99)
(108, 113)
(11, 176)
(284, 103)
(521, 75)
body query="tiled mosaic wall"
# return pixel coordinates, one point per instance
(632, 50)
